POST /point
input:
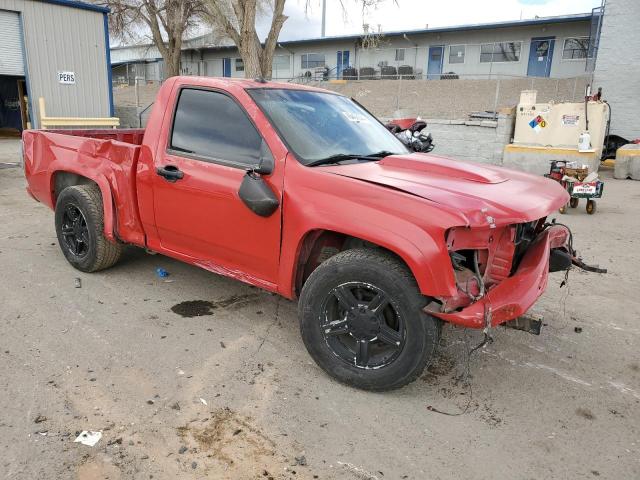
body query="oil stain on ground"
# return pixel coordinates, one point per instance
(199, 308)
(193, 308)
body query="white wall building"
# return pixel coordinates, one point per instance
(544, 47)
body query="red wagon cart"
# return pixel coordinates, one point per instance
(577, 183)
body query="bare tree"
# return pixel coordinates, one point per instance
(168, 21)
(236, 19)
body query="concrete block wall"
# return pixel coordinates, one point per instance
(617, 65)
(454, 99)
(476, 141)
(129, 117)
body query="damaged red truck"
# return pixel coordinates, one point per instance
(302, 192)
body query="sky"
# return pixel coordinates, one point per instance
(415, 14)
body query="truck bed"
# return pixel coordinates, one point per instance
(54, 159)
(133, 136)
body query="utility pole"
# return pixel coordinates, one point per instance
(324, 18)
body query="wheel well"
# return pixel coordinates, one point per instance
(62, 180)
(320, 245)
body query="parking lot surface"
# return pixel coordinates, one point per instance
(223, 388)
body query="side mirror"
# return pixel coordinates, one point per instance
(266, 165)
(254, 191)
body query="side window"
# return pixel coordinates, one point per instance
(212, 125)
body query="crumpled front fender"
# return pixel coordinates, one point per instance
(516, 294)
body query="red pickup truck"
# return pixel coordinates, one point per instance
(302, 192)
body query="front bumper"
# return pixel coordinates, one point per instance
(517, 293)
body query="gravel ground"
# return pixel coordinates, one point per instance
(233, 394)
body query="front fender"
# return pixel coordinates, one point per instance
(367, 214)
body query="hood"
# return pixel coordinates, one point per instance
(483, 194)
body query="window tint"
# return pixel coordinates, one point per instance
(212, 125)
(500, 52)
(575, 48)
(281, 62)
(456, 53)
(312, 60)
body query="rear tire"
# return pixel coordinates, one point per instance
(573, 202)
(79, 219)
(340, 318)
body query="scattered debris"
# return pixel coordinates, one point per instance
(223, 345)
(182, 450)
(150, 402)
(577, 329)
(116, 441)
(40, 419)
(360, 473)
(43, 433)
(88, 438)
(301, 460)
(204, 402)
(194, 465)
(175, 406)
(161, 272)
(78, 283)
(529, 322)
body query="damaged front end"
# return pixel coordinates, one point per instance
(500, 271)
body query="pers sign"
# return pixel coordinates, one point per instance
(67, 78)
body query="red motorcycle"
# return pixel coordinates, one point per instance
(411, 132)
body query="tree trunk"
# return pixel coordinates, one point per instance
(171, 65)
(257, 59)
(251, 56)
(172, 56)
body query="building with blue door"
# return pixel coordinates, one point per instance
(557, 47)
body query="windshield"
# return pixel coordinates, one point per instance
(319, 126)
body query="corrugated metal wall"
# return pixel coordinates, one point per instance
(59, 38)
(11, 61)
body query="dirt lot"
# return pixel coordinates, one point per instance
(233, 394)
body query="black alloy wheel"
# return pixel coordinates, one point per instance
(79, 221)
(363, 321)
(75, 232)
(362, 326)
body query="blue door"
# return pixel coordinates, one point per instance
(541, 56)
(434, 64)
(226, 67)
(342, 62)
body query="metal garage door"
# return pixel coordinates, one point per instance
(11, 59)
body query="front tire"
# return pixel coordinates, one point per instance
(79, 219)
(362, 320)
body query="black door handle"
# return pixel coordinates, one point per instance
(170, 172)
